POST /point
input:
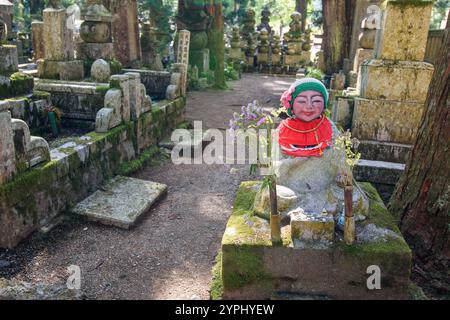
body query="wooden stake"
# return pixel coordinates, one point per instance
(275, 228)
(349, 224)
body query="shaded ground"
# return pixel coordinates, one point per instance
(169, 255)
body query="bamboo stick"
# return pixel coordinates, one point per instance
(275, 228)
(349, 224)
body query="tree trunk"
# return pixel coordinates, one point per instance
(302, 7)
(216, 43)
(337, 31)
(421, 199)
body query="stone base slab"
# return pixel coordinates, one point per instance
(385, 120)
(293, 60)
(94, 51)
(263, 58)
(235, 53)
(395, 80)
(199, 140)
(61, 70)
(121, 201)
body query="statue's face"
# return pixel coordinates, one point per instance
(308, 105)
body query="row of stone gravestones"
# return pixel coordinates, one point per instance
(104, 21)
(127, 98)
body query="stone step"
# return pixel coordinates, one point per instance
(121, 201)
(199, 140)
(378, 171)
(384, 151)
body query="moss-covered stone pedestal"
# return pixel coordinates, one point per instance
(250, 267)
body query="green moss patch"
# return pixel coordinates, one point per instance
(379, 214)
(19, 84)
(216, 287)
(102, 89)
(149, 156)
(115, 66)
(243, 265)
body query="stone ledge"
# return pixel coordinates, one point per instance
(378, 171)
(384, 151)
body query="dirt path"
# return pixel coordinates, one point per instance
(170, 253)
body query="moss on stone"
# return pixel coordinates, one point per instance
(40, 95)
(378, 214)
(245, 265)
(416, 293)
(157, 114)
(245, 197)
(185, 125)
(115, 66)
(25, 184)
(21, 83)
(102, 89)
(114, 84)
(216, 287)
(247, 237)
(143, 159)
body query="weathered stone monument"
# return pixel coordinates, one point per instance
(265, 20)
(12, 82)
(263, 47)
(125, 32)
(235, 43)
(293, 41)
(58, 62)
(96, 33)
(367, 18)
(37, 39)
(149, 43)
(366, 41)
(184, 37)
(393, 87)
(195, 19)
(276, 50)
(6, 17)
(249, 37)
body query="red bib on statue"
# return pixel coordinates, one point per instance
(305, 139)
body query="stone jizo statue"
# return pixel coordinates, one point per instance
(307, 167)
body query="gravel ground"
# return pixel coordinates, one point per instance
(170, 253)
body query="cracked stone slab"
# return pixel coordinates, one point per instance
(121, 201)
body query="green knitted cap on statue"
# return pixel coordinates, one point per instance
(306, 84)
